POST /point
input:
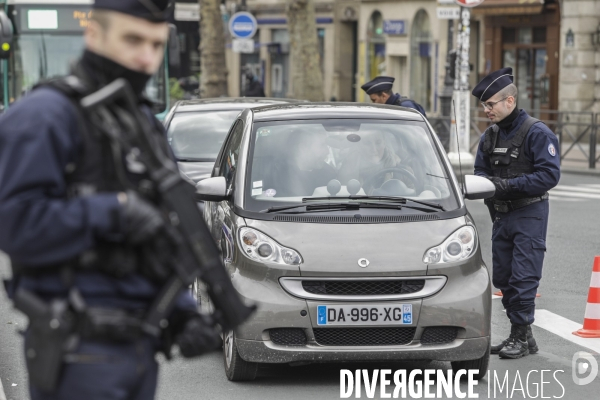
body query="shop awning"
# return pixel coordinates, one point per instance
(506, 7)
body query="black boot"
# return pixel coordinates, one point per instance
(533, 348)
(517, 345)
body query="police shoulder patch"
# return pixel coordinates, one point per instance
(551, 150)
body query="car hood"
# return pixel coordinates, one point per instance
(196, 170)
(334, 249)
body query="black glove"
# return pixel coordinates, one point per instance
(142, 219)
(199, 335)
(502, 185)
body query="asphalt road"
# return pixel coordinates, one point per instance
(573, 241)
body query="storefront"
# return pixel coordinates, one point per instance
(524, 35)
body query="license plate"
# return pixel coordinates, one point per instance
(376, 314)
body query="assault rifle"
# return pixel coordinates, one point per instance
(116, 110)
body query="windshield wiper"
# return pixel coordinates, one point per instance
(392, 199)
(334, 206)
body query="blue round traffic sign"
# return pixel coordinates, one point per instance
(243, 25)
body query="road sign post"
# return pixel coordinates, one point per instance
(242, 27)
(460, 143)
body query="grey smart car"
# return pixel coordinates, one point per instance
(346, 226)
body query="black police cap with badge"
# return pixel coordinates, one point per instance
(493, 83)
(379, 84)
(151, 10)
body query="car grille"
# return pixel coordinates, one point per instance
(288, 336)
(356, 288)
(357, 219)
(439, 335)
(363, 336)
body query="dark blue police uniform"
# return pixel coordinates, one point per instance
(44, 228)
(385, 83)
(520, 155)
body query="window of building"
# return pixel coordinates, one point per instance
(420, 60)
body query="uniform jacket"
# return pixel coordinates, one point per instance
(39, 139)
(540, 147)
(396, 100)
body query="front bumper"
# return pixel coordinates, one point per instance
(268, 352)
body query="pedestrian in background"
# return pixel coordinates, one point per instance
(380, 92)
(253, 86)
(77, 237)
(519, 154)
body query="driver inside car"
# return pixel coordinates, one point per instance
(301, 169)
(372, 154)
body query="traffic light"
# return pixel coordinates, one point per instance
(6, 35)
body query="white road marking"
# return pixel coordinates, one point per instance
(564, 328)
(577, 188)
(2, 395)
(576, 195)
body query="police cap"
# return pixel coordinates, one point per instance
(151, 10)
(493, 83)
(379, 84)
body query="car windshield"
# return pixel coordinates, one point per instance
(294, 160)
(198, 136)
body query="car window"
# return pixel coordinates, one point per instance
(198, 136)
(291, 160)
(231, 152)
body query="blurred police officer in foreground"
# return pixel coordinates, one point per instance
(519, 154)
(71, 230)
(380, 92)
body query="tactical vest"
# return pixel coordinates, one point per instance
(95, 171)
(507, 157)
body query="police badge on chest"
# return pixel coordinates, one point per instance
(132, 162)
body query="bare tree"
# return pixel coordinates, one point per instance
(213, 67)
(307, 79)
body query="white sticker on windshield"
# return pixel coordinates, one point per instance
(257, 184)
(270, 192)
(256, 192)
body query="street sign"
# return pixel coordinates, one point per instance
(446, 2)
(448, 12)
(187, 12)
(242, 45)
(396, 27)
(469, 3)
(243, 25)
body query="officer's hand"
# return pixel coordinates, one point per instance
(142, 219)
(199, 336)
(502, 185)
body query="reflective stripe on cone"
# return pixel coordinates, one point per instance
(591, 319)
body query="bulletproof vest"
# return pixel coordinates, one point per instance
(95, 168)
(507, 157)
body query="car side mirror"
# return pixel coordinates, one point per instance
(212, 189)
(477, 187)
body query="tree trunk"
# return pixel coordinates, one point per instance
(307, 79)
(213, 67)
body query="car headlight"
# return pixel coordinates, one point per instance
(458, 246)
(260, 247)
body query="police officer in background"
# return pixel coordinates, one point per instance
(519, 155)
(72, 231)
(380, 92)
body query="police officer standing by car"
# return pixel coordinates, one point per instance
(77, 238)
(519, 155)
(380, 92)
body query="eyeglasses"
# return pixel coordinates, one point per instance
(490, 105)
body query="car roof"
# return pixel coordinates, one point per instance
(228, 103)
(331, 110)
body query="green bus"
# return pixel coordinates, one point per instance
(48, 37)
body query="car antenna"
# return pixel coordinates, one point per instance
(462, 189)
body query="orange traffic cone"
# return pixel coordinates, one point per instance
(499, 293)
(591, 319)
